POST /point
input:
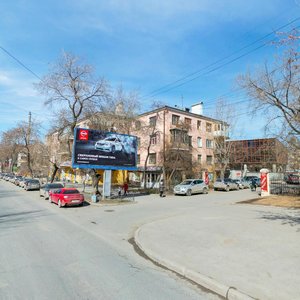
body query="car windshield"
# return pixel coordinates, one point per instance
(34, 181)
(71, 192)
(186, 182)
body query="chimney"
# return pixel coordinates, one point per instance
(197, 108)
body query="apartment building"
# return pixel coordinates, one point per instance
(256, 154)
(181, 140)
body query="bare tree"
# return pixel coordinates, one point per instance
(178, 157)
(24, 140)
(148, 130)
(275, 90)
(117, 114)
(225, 128)
(72, 91)
(10, 147)
(72, 87)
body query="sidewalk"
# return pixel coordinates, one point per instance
(234, 250)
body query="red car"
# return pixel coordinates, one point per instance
(66, 197)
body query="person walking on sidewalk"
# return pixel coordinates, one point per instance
(125, 188)
(253, 185)
(162, 189)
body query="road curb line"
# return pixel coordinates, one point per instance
(230, 293)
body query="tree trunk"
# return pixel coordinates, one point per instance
(29, 163)
(54, 171)
(95, 180)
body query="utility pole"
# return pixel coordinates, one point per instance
(29, 128)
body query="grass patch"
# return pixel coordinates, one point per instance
(276, 200)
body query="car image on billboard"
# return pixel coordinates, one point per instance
(104, 150)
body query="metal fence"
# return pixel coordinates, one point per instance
(280, 186)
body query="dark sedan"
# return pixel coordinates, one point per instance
(44, 190)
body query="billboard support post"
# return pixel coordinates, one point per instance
(106, 184)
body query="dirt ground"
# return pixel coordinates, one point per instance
(274, 200)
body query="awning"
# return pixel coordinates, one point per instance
(66, 164)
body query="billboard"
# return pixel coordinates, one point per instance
(97, 149)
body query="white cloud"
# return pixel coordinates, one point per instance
(168, 16)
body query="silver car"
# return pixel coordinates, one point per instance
(226, 184)
(191, 186)
(31, 185)
(109, 144)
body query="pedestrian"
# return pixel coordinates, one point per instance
(119, 191)
(125, 188)
(162, 189)
(253, 185)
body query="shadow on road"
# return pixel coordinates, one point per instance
(285, 218)
(15, 219)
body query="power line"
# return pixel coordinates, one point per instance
(20, 63)
(162, 89)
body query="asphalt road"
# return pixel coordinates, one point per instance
(52, 253)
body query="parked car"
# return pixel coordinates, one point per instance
(292, 179)
(257, 181)
(226, 184)
(17, 180)
(44, 190)
(66, 197)
(249, 178)
(23, 181)
(239, 183)
(191, 186)
(31, 185)
(245, 183)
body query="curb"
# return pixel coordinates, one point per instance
(228, 292)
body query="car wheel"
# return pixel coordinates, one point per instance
(205, 191)
(227, 188)
(188, 192)
(59, 204)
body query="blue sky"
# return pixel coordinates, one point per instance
(141, 45)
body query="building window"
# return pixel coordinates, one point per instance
(209, 144)
(199, 158)
(208, 127)
(152, 158)
(199, 142)
(190, 140)
(138, 159)
(198, 124)
(152, 121)
(209, 159)
(137, 125)
(154, 139)
(175, 119)
(188, 121)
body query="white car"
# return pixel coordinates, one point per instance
(109, 144)
(226, 184)
(191, 186)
